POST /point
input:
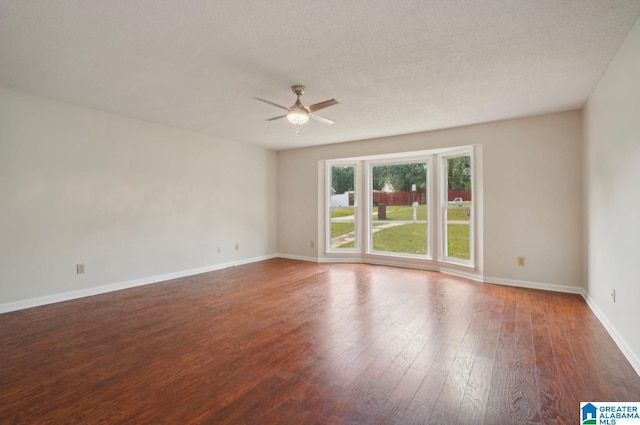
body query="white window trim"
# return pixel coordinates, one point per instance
(443, 206)
(369, 164)
(435, 260)
(356, 205)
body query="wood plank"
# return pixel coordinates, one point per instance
(423, 404)
(284, 341)
(396, 405)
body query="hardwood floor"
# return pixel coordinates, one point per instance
(287, 342)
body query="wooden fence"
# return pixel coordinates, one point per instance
(407, 198)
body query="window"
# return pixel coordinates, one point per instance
(457, 206)
(416, 207)
(343, 208)
(399, 208)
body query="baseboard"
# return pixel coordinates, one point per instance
(395, 262)
(341, 259)
(103, 289)
(465, 275)
(535, 285)
(620, 342)
(352, 260)
(399, 262)
(298, 257)
(418, 265)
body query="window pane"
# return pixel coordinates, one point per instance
(342, 207)
(458, 240)
(399, 210)
(458, 208)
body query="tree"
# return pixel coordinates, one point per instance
(459, 173)
(342, 178)
(400, 177)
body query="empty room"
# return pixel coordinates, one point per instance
(297, 212)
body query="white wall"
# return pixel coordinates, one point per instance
(612, 147)
(130, 199)
(532, 194)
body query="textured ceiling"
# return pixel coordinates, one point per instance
(395, 67)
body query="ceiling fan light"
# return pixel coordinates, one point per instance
(298, 116)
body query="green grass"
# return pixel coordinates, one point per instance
(407, 239)
(341, 228)
(403, 212)
(461, 214)
(342, 212)
(458, 241)
(412, 239)
(338, 229)
(351, 244)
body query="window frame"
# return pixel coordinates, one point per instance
(356, 203)
(437, 199)
(413, 159)
(443, 207)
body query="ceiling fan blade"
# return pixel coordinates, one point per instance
(275, 118)
(321, 105)
(322, 119)
(272, 104)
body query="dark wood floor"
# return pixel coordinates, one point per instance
(288, 342)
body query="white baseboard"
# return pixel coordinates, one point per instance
(418, 265)
(352, 260)
(535, 285)
(620, 342)
(298, 257)
(96, 290)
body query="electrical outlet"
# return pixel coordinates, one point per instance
(312, 244)
(79, 268)
(521, 261)
(237, 246)
(219, 250)
(613, 295)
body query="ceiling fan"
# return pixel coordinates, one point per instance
(299, 114)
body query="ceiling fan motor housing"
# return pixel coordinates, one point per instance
(298, 90)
